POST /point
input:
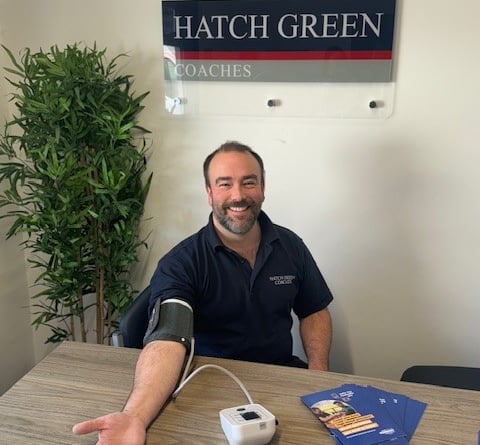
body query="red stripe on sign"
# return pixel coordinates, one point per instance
(284, 55)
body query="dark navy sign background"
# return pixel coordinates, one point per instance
(279, 40)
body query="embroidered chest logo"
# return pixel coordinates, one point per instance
(280, 280)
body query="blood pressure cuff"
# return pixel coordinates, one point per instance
(172, 320)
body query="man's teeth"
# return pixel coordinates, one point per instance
(238, 209)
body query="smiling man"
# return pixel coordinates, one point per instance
(235, 186)
(233, 285)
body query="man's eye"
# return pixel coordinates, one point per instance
(250, 183)
(223, 184)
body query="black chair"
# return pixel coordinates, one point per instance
(450, 376)
(133, 322)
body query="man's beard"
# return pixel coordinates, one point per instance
(233, 225)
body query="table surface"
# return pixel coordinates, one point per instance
(79, 381)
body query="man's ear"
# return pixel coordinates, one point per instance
(208, 190)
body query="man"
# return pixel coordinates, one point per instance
(237, 281)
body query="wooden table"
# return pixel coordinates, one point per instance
(80, 381)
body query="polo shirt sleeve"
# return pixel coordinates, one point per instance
(174, 277)
(314, 293)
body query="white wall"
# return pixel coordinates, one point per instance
(389, 207)
(16, 345)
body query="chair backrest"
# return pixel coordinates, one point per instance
(134, 321)
(450, 376)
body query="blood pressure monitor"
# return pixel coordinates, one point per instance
(250, 424)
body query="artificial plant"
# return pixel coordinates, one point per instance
(73, 168)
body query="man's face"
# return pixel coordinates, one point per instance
(236, 192)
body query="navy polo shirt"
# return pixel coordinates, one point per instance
(240, 312)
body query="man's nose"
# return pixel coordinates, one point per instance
(236, 192)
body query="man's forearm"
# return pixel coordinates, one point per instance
(316, 334)
(156, 375)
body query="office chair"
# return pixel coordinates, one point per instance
(133, 322)
(450, 376)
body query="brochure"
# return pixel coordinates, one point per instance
(365, 415)
(405, 411)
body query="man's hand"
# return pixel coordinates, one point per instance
(156, 374)
(114, 429)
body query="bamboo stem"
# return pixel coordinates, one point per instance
(72, 328)
(101, 306)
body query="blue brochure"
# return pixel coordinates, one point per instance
(405, 411)
(365, 415)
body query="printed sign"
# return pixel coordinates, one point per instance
(279, 40)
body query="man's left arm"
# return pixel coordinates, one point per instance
(316, 334)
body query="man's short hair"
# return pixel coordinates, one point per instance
(228, 147)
